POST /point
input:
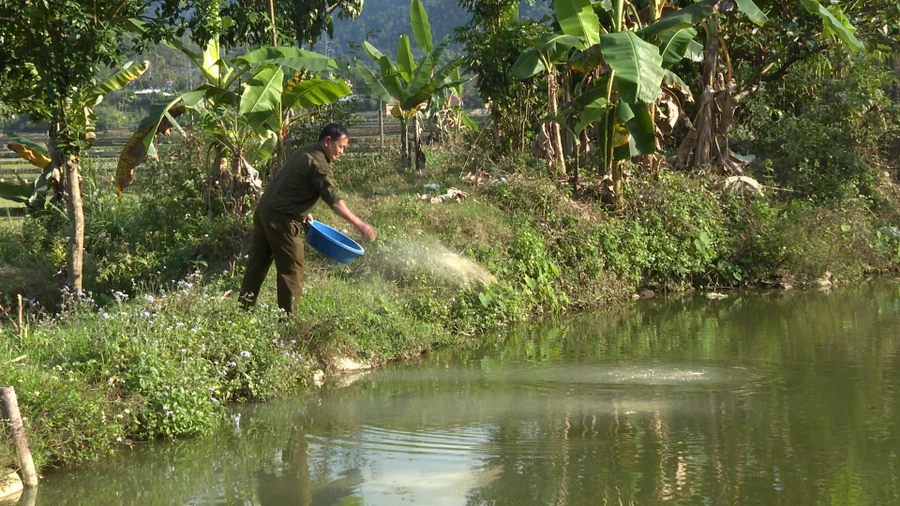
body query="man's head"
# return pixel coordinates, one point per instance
(334, 139)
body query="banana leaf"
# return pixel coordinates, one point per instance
(577, 17)
(676, 45)
(682, 18)
(117, 81)
(140, 145)
(290, 57)
(18, 192)
(639, 122)
(841, 28)
(372, 51)
(752, 11)
(375, 86)
(637, 63)
(315, 92)
(30, 152)
(405, 64)
(528, 64)
(421, 28)
(262, 97)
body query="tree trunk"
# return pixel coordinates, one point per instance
(404, 142)
(568, 139)
(555, 132)
(417, 142)
(67, 170)
(707, 143)
(9, 408)
(282, 149)
(76, 217)
(216, 183)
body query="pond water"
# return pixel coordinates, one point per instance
(781, 398)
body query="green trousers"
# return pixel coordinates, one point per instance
(279, 240)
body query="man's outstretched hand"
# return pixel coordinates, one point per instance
(368, 231)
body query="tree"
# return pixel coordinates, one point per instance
(408, 84)
(52, 53)
(546, 52)
(245, 106)
(303, 20)
(33, 194)
(707, 143)
(494, 38)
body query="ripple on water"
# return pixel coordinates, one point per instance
(432, 442)
(462, 415)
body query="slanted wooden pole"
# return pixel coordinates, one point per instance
(9, 406)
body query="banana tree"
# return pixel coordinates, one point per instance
(445, 111)
(33, 194)
(409, 85)
(625, 75)
(245, 106)
(546, 53)
(626, 66)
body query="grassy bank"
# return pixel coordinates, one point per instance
(159, 345)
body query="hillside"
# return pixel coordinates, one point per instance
(382, 21)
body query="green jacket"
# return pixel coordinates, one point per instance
(305, 177)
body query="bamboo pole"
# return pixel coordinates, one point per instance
(10, 408)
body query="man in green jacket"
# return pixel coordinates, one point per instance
(282, 210)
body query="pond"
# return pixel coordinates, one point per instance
(768, 398)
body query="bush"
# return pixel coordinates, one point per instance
(164, 365)
(674, 231)
(825, 137)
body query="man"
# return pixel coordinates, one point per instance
(282, 210)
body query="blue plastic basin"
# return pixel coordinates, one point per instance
(332, 243)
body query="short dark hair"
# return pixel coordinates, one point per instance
(333, 130)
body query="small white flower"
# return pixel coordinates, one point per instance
(245, 354)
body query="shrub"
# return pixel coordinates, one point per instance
(825, 136)
(674, 231)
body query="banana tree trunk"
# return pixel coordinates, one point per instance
(556, 143)
(706, 146)
(404, 142)
(417, 142)
(217, 180)
(282, 148)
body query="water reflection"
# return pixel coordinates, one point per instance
(759, 399)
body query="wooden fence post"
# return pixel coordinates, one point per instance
(380, 126)
(9, 406)
(21, 321)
